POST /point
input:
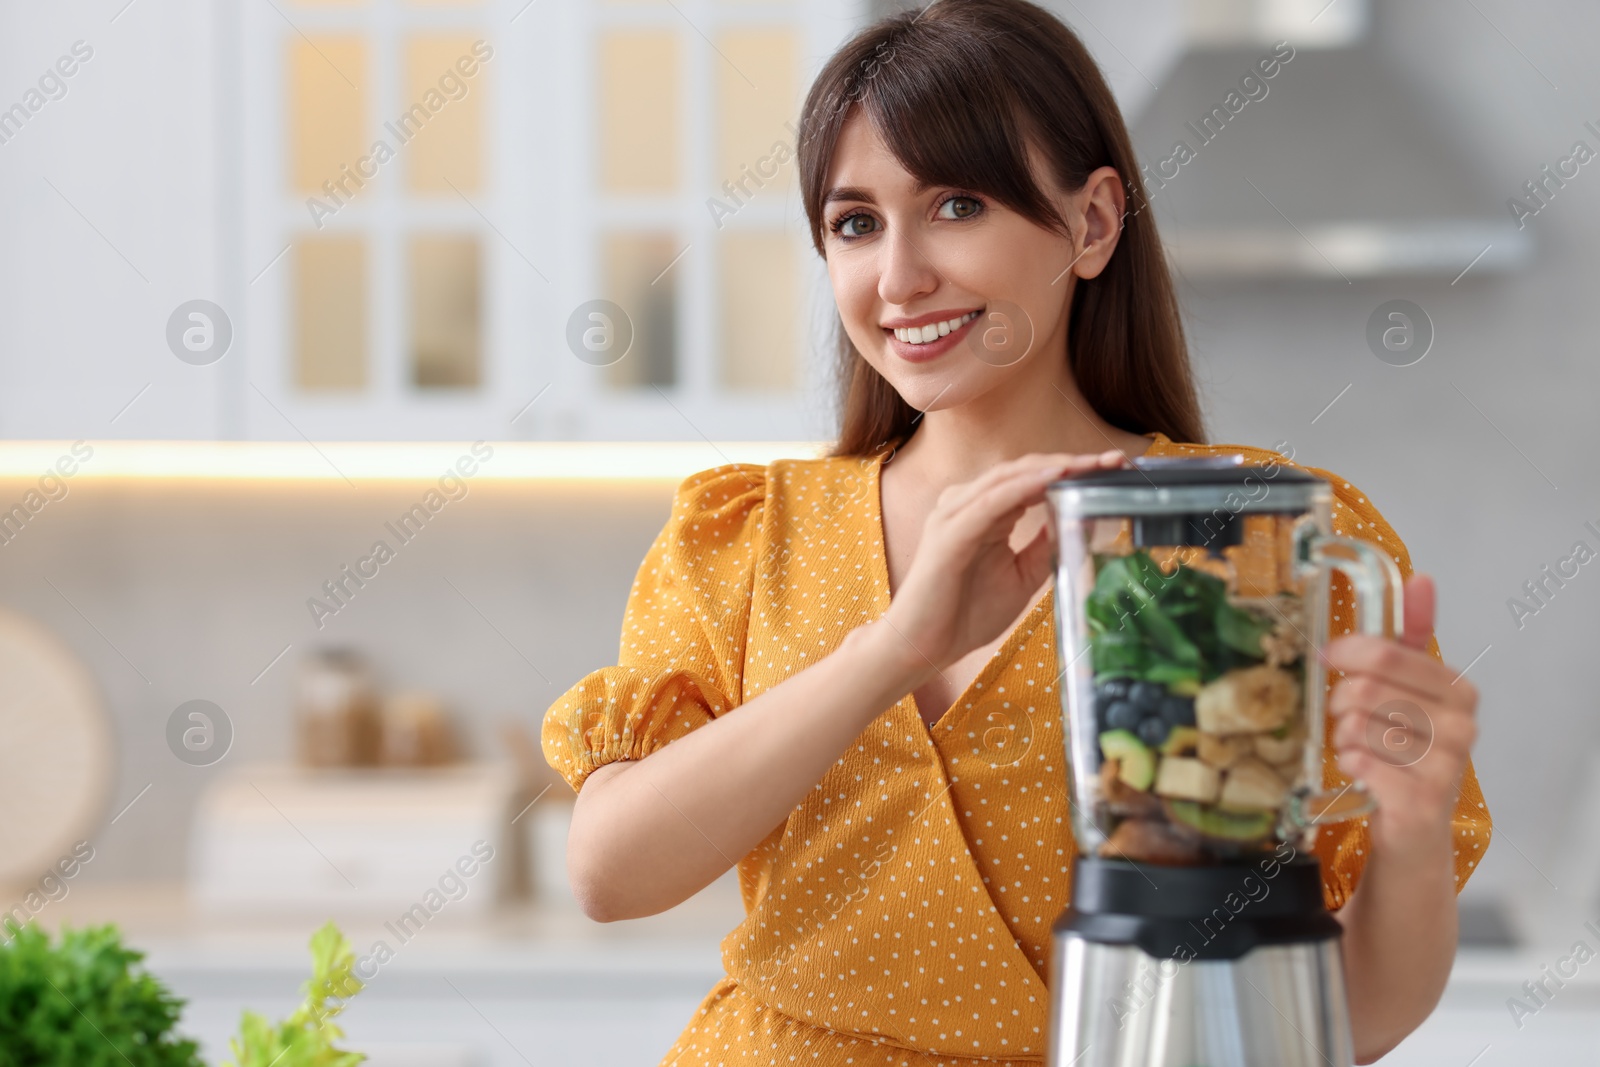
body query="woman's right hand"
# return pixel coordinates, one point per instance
(965, 585)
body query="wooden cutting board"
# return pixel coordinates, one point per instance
(55, 751)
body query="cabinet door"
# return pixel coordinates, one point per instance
(389, 272)
(476, 220)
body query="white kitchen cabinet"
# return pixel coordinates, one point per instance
(608, 141)
(384, 837)
(212, 198)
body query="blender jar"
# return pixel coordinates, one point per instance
(1192, 604)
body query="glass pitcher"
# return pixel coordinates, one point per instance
(1192, 604)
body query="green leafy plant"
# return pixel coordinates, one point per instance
(306, 1037)
(1177, 629)
(83, 1003)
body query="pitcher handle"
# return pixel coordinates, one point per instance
(1380, 611)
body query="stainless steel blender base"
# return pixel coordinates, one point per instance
(1275, 1006)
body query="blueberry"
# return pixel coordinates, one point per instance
(1114, 689)
(1153, 730)
(1122, 716)
(1178, 710)
(1146, 696)
(1107, 693)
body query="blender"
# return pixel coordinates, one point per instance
(1192, 600)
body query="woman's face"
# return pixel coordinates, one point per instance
(993, 285)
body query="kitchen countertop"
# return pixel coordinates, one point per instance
(158, 918)
(527, 936)
(522, 961)
(536, 935)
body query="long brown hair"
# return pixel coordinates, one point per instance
(956, 90)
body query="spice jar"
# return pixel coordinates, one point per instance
(416, 732)
(336, 711)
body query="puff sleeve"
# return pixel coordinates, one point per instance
(680, 661)
(1343, 847)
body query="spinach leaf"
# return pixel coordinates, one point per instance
(1168, 628)
(1241, 630)
(1150, 645)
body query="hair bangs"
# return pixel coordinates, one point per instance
(952, 119)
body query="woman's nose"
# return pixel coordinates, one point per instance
(905, 271)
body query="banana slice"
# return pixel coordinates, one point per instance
(1252, 786)
(1247, 700)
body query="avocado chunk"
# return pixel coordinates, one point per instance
(1223, 825)
(1182, 741)
(1137, 762)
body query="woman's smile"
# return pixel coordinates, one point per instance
(927, 337)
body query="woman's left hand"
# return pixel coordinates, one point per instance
(1405, 724)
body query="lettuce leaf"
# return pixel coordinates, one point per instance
(306, 1037)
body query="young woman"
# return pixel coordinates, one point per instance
(839, 674)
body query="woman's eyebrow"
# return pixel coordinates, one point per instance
(850, 192)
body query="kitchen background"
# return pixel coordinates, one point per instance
(435, 293)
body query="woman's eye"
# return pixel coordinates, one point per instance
(850, 228)
(961, 207)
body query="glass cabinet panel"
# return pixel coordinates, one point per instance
(327, 108)
(443, 116)
(445, 300)
(755, 149)
(330, 312)
(639, 131)
(760, 326)
(636, 277)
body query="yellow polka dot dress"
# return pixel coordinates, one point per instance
(902, 914)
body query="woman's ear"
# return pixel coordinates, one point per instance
(1101, 204)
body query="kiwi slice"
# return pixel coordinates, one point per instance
(1213, 822)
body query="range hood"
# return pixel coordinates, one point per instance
(1339, 172)
(1334, 173)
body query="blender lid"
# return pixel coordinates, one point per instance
(1180, 485)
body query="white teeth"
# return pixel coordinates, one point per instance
(921, 335)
